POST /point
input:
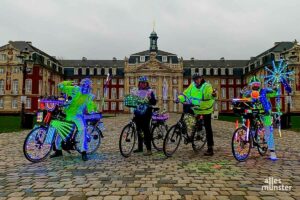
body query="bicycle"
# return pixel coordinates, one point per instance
(251, 133)
(129, 133)
(190, 127)
(40, 141)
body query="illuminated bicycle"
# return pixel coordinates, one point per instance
(190, 127)
(129, 134)
(251, 133)
(40, 141)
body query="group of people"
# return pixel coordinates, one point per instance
(200, 93)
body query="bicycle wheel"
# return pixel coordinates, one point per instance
(199, 139)
(93, 140)
(158, 134)
(172, 140)
(240, 147)
(127, 140)
(262, 145)
(38, 144)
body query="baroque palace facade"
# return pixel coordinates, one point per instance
(162, 68)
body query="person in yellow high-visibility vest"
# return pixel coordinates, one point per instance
(201, 94)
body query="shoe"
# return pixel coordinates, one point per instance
(84, 156)
(138, 151)
(148, 153)
(209, 152)
(273, 155)
(56, 153)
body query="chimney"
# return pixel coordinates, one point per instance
(29, 42)
(192, 58)
(114, 59)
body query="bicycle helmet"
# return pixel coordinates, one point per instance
(196, 75)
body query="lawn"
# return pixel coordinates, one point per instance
(295, 121)
(13, 123)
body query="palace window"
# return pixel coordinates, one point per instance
(224, 105)
(185, 81)
(3, 57)
(165, 59)
(113, 81)
(216, 82)
(207, 71)
(223, 81)
(105, 106)
(231, 93)
(121, 81)
(131, 81)
(174, 93)
(215, 71)
(98, 93)
(98, 81)
(201, 71)
(28, 103)
(1, 103)
(1, 86)
(113, 105)
(14, 103)
(142, 58)
(121, 93)
(153, 79)
(15, 86)
(113, 93)
(230, 81)
(120, 105)
(1, 70)
(223, 91)
(28, 85)
(223, 71)
(174, 81)
(238, 81)
(230, 71)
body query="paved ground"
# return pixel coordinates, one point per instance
(107, 175)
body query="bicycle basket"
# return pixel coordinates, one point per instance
(160, 117)
(133, 101)
(190, 122)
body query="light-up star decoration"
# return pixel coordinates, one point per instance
(276, 76)
(279, 74)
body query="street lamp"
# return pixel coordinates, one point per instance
(24, 55)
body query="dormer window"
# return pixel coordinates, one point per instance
(142, 58)
(164, 58)
(215, 71)
(230, 71)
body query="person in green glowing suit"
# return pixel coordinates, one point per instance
(261, 98)
(81, 102)
(201, 93)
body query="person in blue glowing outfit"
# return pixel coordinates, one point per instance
(82, 101)
(261, 96)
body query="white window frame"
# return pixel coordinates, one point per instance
(223, 71)
(223, 81)
(230, 71)
(114, 81)
(1, 70)
(207, 71)
(14, 103)
(15, 86)
(121, 106)
(175, 81)
(121, 93)
(121, 81)
(98, 95)
(201, 71)
(231, 92)
(113, 106)
(185, 81)
(142, 58)
(238, 81)
(223, 93)
(3, 57)
(114, 93)
(230, 81)
(153, 79)
(1, 103)
(28, 103)
(224, 105)
(28, 86)
(131, 81)
(165, 59)
(215, 71)
(216, 82)
(2, 86)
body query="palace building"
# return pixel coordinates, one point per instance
(163, 69)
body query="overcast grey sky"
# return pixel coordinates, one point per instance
(102, 29)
